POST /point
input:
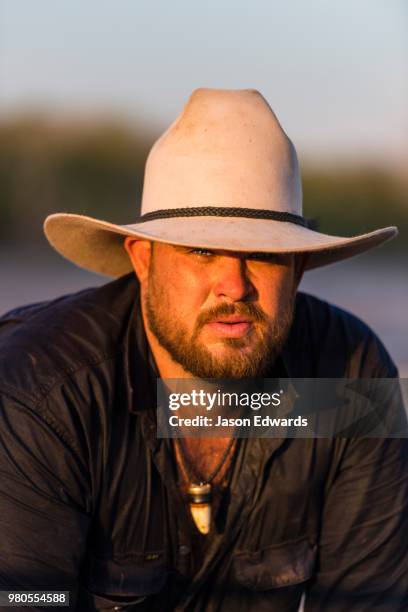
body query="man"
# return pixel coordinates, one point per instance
(92, 501)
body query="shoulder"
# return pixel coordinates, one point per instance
(339, 343)
(42, 344)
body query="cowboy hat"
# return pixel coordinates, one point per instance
(223, 176)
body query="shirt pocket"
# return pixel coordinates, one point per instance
(123, 584)
(282, 565)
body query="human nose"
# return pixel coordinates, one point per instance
(232, 279)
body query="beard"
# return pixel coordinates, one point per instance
(236, 362)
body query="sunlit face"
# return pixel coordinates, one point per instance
(218, 314)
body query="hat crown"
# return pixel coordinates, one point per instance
(226, 149)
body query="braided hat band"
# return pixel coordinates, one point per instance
(218, 211)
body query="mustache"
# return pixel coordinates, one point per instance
(249, 310)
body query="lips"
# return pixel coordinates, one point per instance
(233, 326)
(233, 319)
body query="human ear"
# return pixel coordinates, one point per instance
(139, 252)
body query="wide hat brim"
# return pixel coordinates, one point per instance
(97, 245)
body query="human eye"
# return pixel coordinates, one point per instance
(202, 252)
(266, 257)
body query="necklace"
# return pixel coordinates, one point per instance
(199, 492)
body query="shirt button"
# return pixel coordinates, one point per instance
(184, 550)
(117, 608)
(152, 557)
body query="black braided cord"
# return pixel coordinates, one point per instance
(218, 211)
(192, 474)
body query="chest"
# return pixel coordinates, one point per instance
(204, 459)
(142, 533)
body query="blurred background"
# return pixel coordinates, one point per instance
(85, 88)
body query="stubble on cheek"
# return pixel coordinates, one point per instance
(235, 358)
(229, 358)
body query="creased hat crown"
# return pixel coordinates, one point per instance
(226, 149)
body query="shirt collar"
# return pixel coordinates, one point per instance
(141, 371)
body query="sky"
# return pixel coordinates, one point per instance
(334, 72)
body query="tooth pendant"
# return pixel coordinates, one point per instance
(199, 499)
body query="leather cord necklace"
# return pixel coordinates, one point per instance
(199, 492)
